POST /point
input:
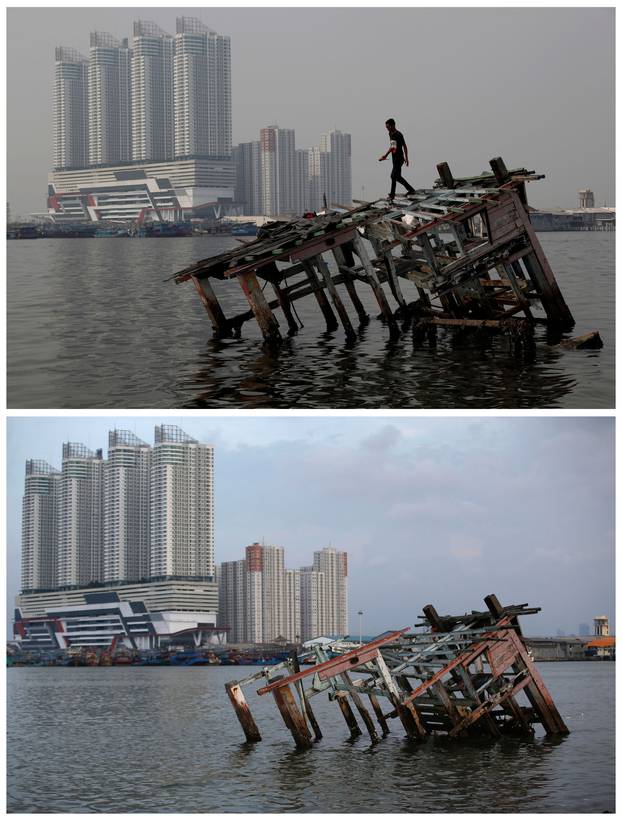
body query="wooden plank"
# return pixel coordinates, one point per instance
(322, 267)
(259, 306)
(322, 300)
(242, 711)
(486, 707)
(375, 285)
(348, 715)
(358, 703)
(293, 718)
(212, 306)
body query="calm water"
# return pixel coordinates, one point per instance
(91, 323)
(166, 740)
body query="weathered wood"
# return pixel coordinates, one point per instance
(212, 307)
(375, 285)
(293, 718)
(445, 175)
(322, 301)
(242, 711)
(295, 667)
(322, 267)
(358, 703)
(589, 341)
(259, 306)
(380, 717)
(350, 718)
(285, 303)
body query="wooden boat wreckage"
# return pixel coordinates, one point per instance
(467, 245)
(460, 677)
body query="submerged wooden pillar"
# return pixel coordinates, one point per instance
(293, 718)
(212, 306)
(379, 714)
(286, 306)
(340, 259)
(322, 301)
(259, 306)
(541, 274)
(358, 702)
(242, 711)
(407, 713)
(375, 285)
(334, 295)
(295, 666)
(350, 718)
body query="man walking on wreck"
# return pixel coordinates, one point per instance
(399, 155)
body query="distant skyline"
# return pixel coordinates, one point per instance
(429, 510)
(455, 88)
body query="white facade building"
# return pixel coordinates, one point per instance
(80, 520)
(278, 170)
(127, 503)
(40, 519)
(152, 93)
(292, 630)
(333, 564)
(182, 505)
(312, 603)
(336, 146)
(109, 100)
(201, 91)
(71, 135)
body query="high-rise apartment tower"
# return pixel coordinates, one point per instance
(40, 512)
(152, 93)
(71, 137)
(109, 100)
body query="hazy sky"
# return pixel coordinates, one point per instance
(532, 85)
(440, 511)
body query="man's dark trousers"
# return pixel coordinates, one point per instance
(396, 176)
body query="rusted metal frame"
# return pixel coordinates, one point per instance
(358, 703)
(349, 283)
(220, 323)
(348, 661)
(541, 274)
(487, 706)
(293, 718)
(242, 711)
(259, 306)
(329, 316)
(361, 252)
(322, 267)
(406, 711)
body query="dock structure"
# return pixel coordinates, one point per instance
(461, 677)
(466, 247)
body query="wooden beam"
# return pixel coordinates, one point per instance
(242, 711)
(259, 306)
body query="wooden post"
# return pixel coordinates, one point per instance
(541, 274)
(348, 715)
(445, 174)
(286, 306)
(379, 714)
(293, 718)
(334, 295)
(322, 301)
(410, 718)
(264, 316)
(373, 280)
(358, 702)
(242, 711)
(295, 666)
(340, 259)
(212, 306)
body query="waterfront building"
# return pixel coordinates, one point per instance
(102, 619)
(247, 162)
(334, 565)
(292, 630)
(71, 138)
(312, 603)
(127, 503)
(232, 613)
(278, 170)
(80, 521)
(601, 626)
(182, 505)
(202, 91)
(151, 191)
(336, 147)
(40, 521)
(152, 93)
(586, 198)
(109, 100)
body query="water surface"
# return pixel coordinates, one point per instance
(166, 740)
(92, 323)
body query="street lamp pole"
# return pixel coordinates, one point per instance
(360, 627)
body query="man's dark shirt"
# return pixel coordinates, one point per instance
(397, 142)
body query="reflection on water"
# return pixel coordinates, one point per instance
(166, 740)
(93, 323)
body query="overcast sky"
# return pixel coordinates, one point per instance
(440, 511)
(534, 86)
